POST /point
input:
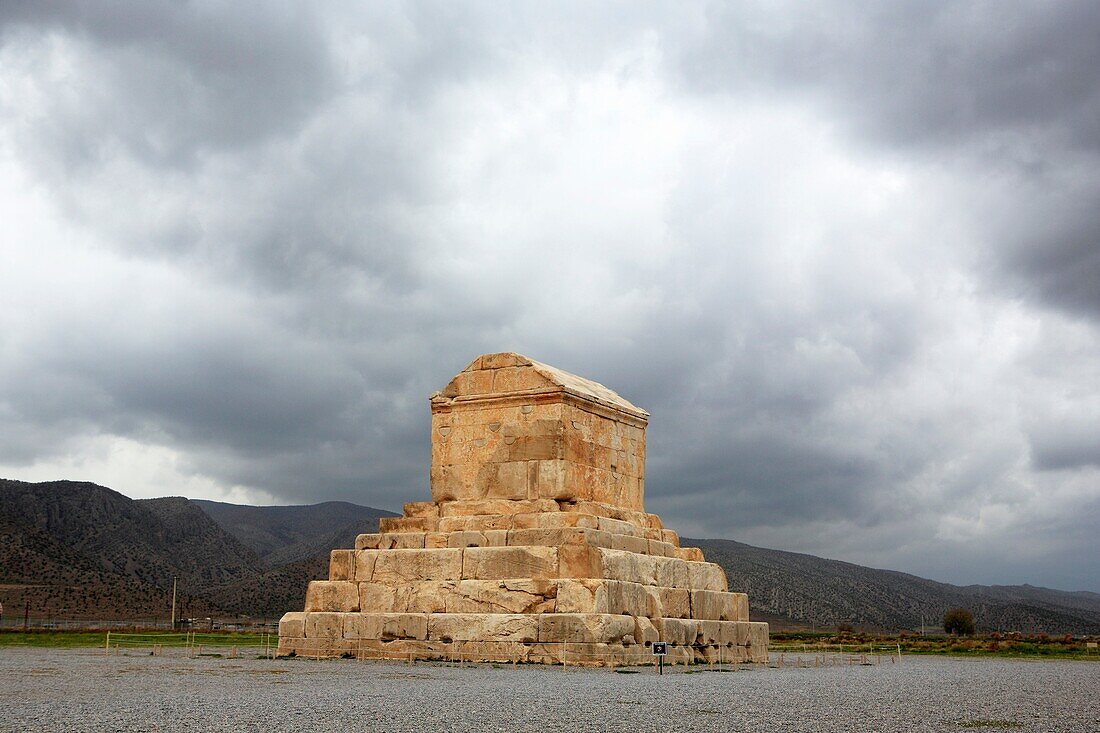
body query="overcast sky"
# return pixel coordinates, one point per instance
(847, 255)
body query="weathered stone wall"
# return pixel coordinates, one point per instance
(535, 546)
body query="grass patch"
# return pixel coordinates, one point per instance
(1017, 646)
(130, 638)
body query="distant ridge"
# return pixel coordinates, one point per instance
(814, 591)
(74, 549)
(286, 534)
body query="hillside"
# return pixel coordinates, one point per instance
(285, 534)
(815, 591)
(71, 549)
(78, 550)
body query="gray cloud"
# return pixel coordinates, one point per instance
(844, 256)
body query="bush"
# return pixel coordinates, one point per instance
(959, 621)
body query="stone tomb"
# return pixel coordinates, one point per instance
(535, 547)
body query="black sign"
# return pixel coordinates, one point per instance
(660, 648)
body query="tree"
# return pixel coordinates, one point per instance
(959, 621)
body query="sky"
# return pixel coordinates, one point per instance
(847, 255)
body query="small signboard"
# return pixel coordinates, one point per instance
(660, 648)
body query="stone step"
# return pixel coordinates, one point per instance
(529, 561)
(524, 595)
(569, 628)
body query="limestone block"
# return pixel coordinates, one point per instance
(292, 625)
(324, 626)
(584, 627)
(436, 540)
(341, 565)
(553, 520)
(391, 541)
(403, 626)
(559, 536)
(377, 598)
(404, 566)
(332, 595)
(742, 604)
(475, 523)
(495, 507)
(498, 361)
(691, 554)
(502, 596)
(426, 596)
(672, 573)
(706, 576)
(758, 642)
(644, 631)
(661, 548)
(679, 631)
(472, 538)
(507, 480)
(449, 484)
(713, 605)
(492, 563)
(631, 516)
(675, 602)
(404, 524)
(534, 448)
(727, 633)
(551, 480)
(289, 645)
(622, 565)
(630, 543)
(583, 482)
(483, 627)
(488, 651)
(581, 595)
(619, 527)
(580, 561)
(670, 537)
(364, 565)
(422, 509)
(516, 379)
(386, 626)
(627, 598)
(708, 632)
(654, 607)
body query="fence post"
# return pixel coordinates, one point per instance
(107, 648)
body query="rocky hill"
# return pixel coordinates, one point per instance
(78, 550)
(286, 534)
(71, 549)
(813, 591)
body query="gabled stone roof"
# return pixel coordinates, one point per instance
(579, 386)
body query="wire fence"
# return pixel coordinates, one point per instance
(190, 643)
(16, 623)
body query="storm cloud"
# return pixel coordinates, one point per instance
(847, 256)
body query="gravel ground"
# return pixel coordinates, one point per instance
(79, 690)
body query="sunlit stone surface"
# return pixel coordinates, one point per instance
(535, 547)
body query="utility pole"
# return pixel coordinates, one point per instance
(173, 603)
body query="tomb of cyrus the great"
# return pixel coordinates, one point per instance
(535, 544)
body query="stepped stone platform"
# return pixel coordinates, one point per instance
(535, 547)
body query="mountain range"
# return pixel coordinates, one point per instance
(78, 550)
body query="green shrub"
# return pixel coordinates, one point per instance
(959, 621)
